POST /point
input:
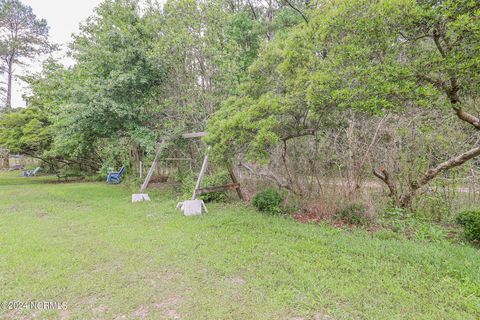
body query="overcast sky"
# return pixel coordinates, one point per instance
(63, 17)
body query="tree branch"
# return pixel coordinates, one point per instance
(253, 9)
(449, 164)
(467, 117)
(270, 177)
(433, 172)
(452, 93)
(298, 10)
(383, 175)
(306, 132)
(436, 39)
(437, 83)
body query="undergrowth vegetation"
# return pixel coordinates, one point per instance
(470, 221)
(269, 201)
(353, 213)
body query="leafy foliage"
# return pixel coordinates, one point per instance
(269, 201)
(361, 56)
(114, 100)
(296, 85)
(470, 220)
(26, 131)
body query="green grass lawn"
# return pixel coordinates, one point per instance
(85, 244)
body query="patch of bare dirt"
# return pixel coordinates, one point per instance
(236, 281)
(100, 310)
(322, 316)
(42, 215)
(169, 307)
(64, 314)
(318, 316)
(141, 312)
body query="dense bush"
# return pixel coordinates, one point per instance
(470, 220)
(269, 201)
(353, 213)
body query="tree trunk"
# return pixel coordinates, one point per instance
(5, 162)
(9, 84)
(383, 175)
(136, 153)
(269, 21)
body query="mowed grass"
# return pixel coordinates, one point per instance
(85, 244)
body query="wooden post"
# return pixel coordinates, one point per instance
(152, 167)
(235, 181)
(200, 176)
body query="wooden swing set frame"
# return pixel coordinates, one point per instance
(197, 191)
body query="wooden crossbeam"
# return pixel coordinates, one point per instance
(176, 159)
(190, 135)
(227, 187)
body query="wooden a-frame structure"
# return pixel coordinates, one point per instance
(142, 196)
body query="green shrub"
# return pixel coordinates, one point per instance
(269, 201)
(353, 213)
(470, 220)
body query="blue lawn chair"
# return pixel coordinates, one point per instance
(115, 177)
(30, 173)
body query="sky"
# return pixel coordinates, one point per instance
(63, 18)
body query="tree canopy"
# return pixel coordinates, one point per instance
(260, 76)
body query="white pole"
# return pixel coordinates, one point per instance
(200, 176)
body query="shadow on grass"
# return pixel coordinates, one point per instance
(15, 179)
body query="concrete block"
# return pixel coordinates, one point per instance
(192, 207)
(138, 197)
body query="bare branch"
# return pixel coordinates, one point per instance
(253, 9)
(269, 176)
(296, 9)
(383, 175)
